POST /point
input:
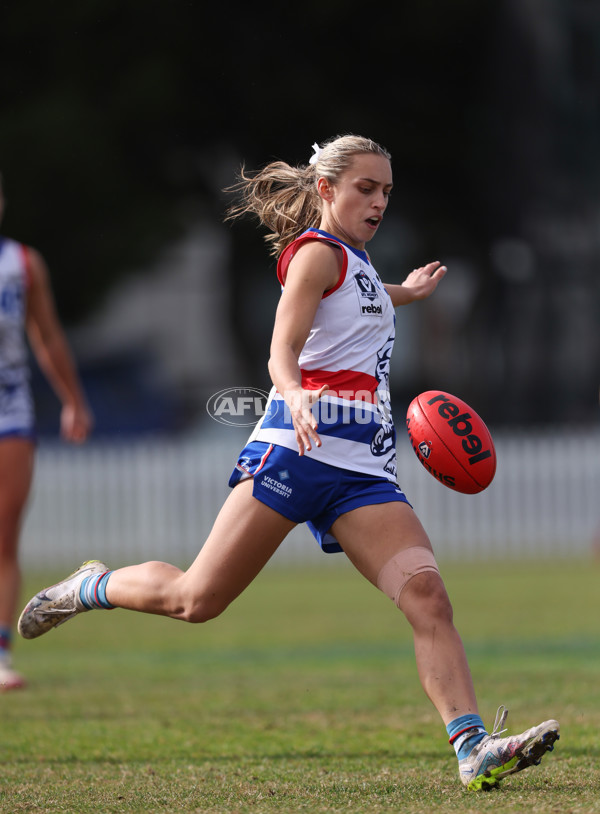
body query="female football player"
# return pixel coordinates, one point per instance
(324, 452)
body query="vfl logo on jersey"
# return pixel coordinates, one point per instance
(366, 286)
(368, 296)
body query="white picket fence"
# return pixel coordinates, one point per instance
(127, 502)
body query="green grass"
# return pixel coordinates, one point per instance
(303, 696)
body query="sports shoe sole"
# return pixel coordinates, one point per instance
(55, 615)
(531, 755)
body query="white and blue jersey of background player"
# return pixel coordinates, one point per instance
(348, 348)
(16, 405)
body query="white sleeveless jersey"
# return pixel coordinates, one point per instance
(14, 281)
(16, 406)
(348, 348)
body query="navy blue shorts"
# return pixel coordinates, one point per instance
(309, 491)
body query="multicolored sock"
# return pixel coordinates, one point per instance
(465, 732)
(5, 637)
(92, 591)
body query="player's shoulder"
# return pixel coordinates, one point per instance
(16, 252)
(35, 265)
(317, 260)
(320, 247)
(314, 257)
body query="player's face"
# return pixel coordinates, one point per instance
(354, 207)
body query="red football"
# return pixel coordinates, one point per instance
(451, 441)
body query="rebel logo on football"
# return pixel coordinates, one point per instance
(461, 426)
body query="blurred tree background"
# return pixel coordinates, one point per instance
(122, 121)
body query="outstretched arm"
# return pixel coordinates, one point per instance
(419, 284)
(49, 345)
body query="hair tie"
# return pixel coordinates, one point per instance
(316, 155)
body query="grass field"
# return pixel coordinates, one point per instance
(303, 696)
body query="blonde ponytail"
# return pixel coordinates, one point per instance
(285, 198)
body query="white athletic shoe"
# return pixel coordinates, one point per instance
(9, 678)
(57, 604)
(494, 758)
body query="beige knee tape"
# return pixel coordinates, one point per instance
(402, 567)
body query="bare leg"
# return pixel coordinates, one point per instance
(370, 537)
(16, 471)
(244, 537)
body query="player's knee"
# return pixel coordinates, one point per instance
(426, 600)
(426, 605)
(200, 609)
(403, 568)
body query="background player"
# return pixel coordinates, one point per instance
(26, 310)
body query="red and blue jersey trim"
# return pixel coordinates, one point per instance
(288, 253)
(351, 385)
